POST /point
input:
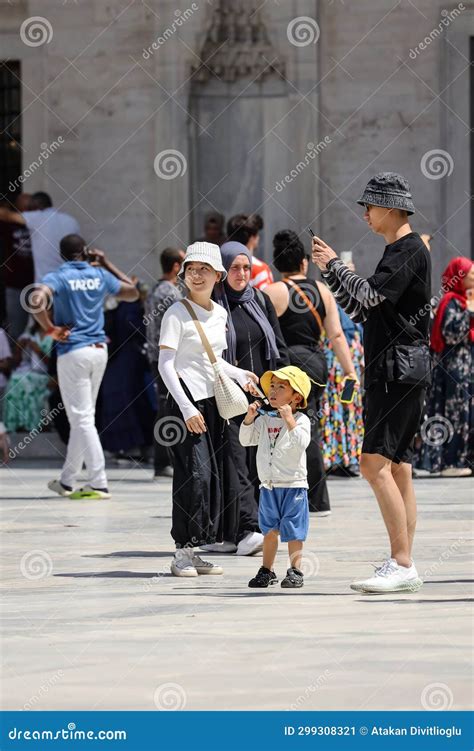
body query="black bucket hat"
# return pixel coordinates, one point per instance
(390, 190)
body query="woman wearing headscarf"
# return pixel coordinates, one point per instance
(254, 343)
(448, 432)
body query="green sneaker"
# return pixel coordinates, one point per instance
(89, 494)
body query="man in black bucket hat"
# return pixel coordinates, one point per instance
(397, 364)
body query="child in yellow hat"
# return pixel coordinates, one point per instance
(282, 437)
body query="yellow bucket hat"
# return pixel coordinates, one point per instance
(297, 378)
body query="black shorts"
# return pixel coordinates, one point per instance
(392, 419)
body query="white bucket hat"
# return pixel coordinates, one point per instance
(205, 253)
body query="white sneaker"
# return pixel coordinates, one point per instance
(182, 564)
(390, 577)
(250, 544)
(456, 472)
(219, 547)
(165, 472)
(322, 513)
(56, 487)
(205, 567)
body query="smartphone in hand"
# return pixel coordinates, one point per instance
(348, 391)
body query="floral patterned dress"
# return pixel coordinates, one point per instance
(342, 426)
(447, 433)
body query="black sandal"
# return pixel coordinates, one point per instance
(264, 578)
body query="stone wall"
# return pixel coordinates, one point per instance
(364, 94)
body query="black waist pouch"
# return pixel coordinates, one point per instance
(409, 364)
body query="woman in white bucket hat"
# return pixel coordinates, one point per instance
(193, 429)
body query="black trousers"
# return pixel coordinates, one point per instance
(318, 495)
(198, 480)
(240, 513)
(313, 362)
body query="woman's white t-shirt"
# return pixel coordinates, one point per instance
(179, 332)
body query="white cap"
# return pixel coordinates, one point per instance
(205, 253)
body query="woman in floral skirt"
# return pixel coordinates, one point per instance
(448, 432)
(341, 426)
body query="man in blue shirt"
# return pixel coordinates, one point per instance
(77, 290)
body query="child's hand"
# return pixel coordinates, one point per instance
(286, 413)
(252, 412)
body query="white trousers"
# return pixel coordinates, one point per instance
(80, 373)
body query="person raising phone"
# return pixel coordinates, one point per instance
(77, 290)
(397, 364)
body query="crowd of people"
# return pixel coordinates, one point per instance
(133, 368)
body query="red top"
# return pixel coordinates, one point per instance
(261, 275)
(452, 279)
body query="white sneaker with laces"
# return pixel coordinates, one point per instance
(250, 544)
(58, 488)
(182, 563)
(219, 547)
(390, 577)
(205, 567)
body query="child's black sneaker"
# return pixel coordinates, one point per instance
(294, 579)
(264, 578)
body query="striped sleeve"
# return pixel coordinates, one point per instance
(354, 294)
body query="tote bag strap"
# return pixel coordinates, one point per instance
(204, 339)
(308, 303)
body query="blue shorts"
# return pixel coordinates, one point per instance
(284, 509)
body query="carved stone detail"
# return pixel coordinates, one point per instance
(237, 45)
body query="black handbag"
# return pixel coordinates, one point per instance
(409, 364)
